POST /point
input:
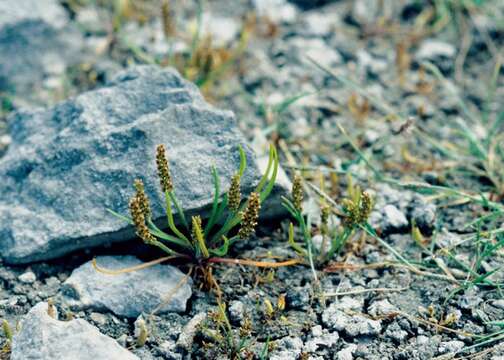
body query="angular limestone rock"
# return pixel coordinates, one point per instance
(129, 294)
(45, 338)
(68, 164)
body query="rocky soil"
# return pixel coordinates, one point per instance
(401, 98)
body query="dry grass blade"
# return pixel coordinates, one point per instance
(263, 264)
(133, 268)
(169, 296)
(364, 291)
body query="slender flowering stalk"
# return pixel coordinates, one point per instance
(167, 19)
(325, 211)
(142, 198)
(163, 169)
(352, 212)
(366, 207)
(197, 235)
(297, 193)
(250, 216)
(234, 194)
(139, 221)
(357, 211)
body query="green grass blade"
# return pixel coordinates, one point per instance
(171, 222)
(264, 194)
(223, 250)
(215, 205)
(164, 236)
(264, 178)
(122, 217)
(293, 244)
(180, 211)
(243, 161)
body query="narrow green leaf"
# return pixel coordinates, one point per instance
(223, 250)
(265, 176)
(293, 244)
(215, 205)
(122, 217)
(264, 194)
(164, 236)
(180, 211)
(171, 222)
(243, 161)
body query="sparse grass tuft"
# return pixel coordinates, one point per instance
(224, 339)
(356, 211)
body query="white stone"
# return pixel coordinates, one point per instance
(45, 338)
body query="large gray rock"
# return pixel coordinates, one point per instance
(45, 338)
(68, 164)
(129, 294)
(36, 40)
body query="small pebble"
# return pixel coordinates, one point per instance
(236, 312)
(28, 277)
(98, 318)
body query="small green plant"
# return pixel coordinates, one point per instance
(8, 338)
(232, 218)
(356, 211)
(233, 342)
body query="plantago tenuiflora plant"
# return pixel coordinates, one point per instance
(356, 211)
(196, 241)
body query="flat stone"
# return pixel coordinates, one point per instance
(27, 277)
(45, 338)
(67, 164)
(381, 308)
(431, 49)
(353, 324)
(36, 40)
(450, 346)
(128, 294)
(393, 219)
(277, 11)
(236, 312)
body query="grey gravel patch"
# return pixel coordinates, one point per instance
(287, 348)
(346, 353)
(395, 333)
(45, 338)
(68, 164)
(381, 308)
(128, 294)
(345, 317)
(450, 347)
(36, 41)
(320, 339)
